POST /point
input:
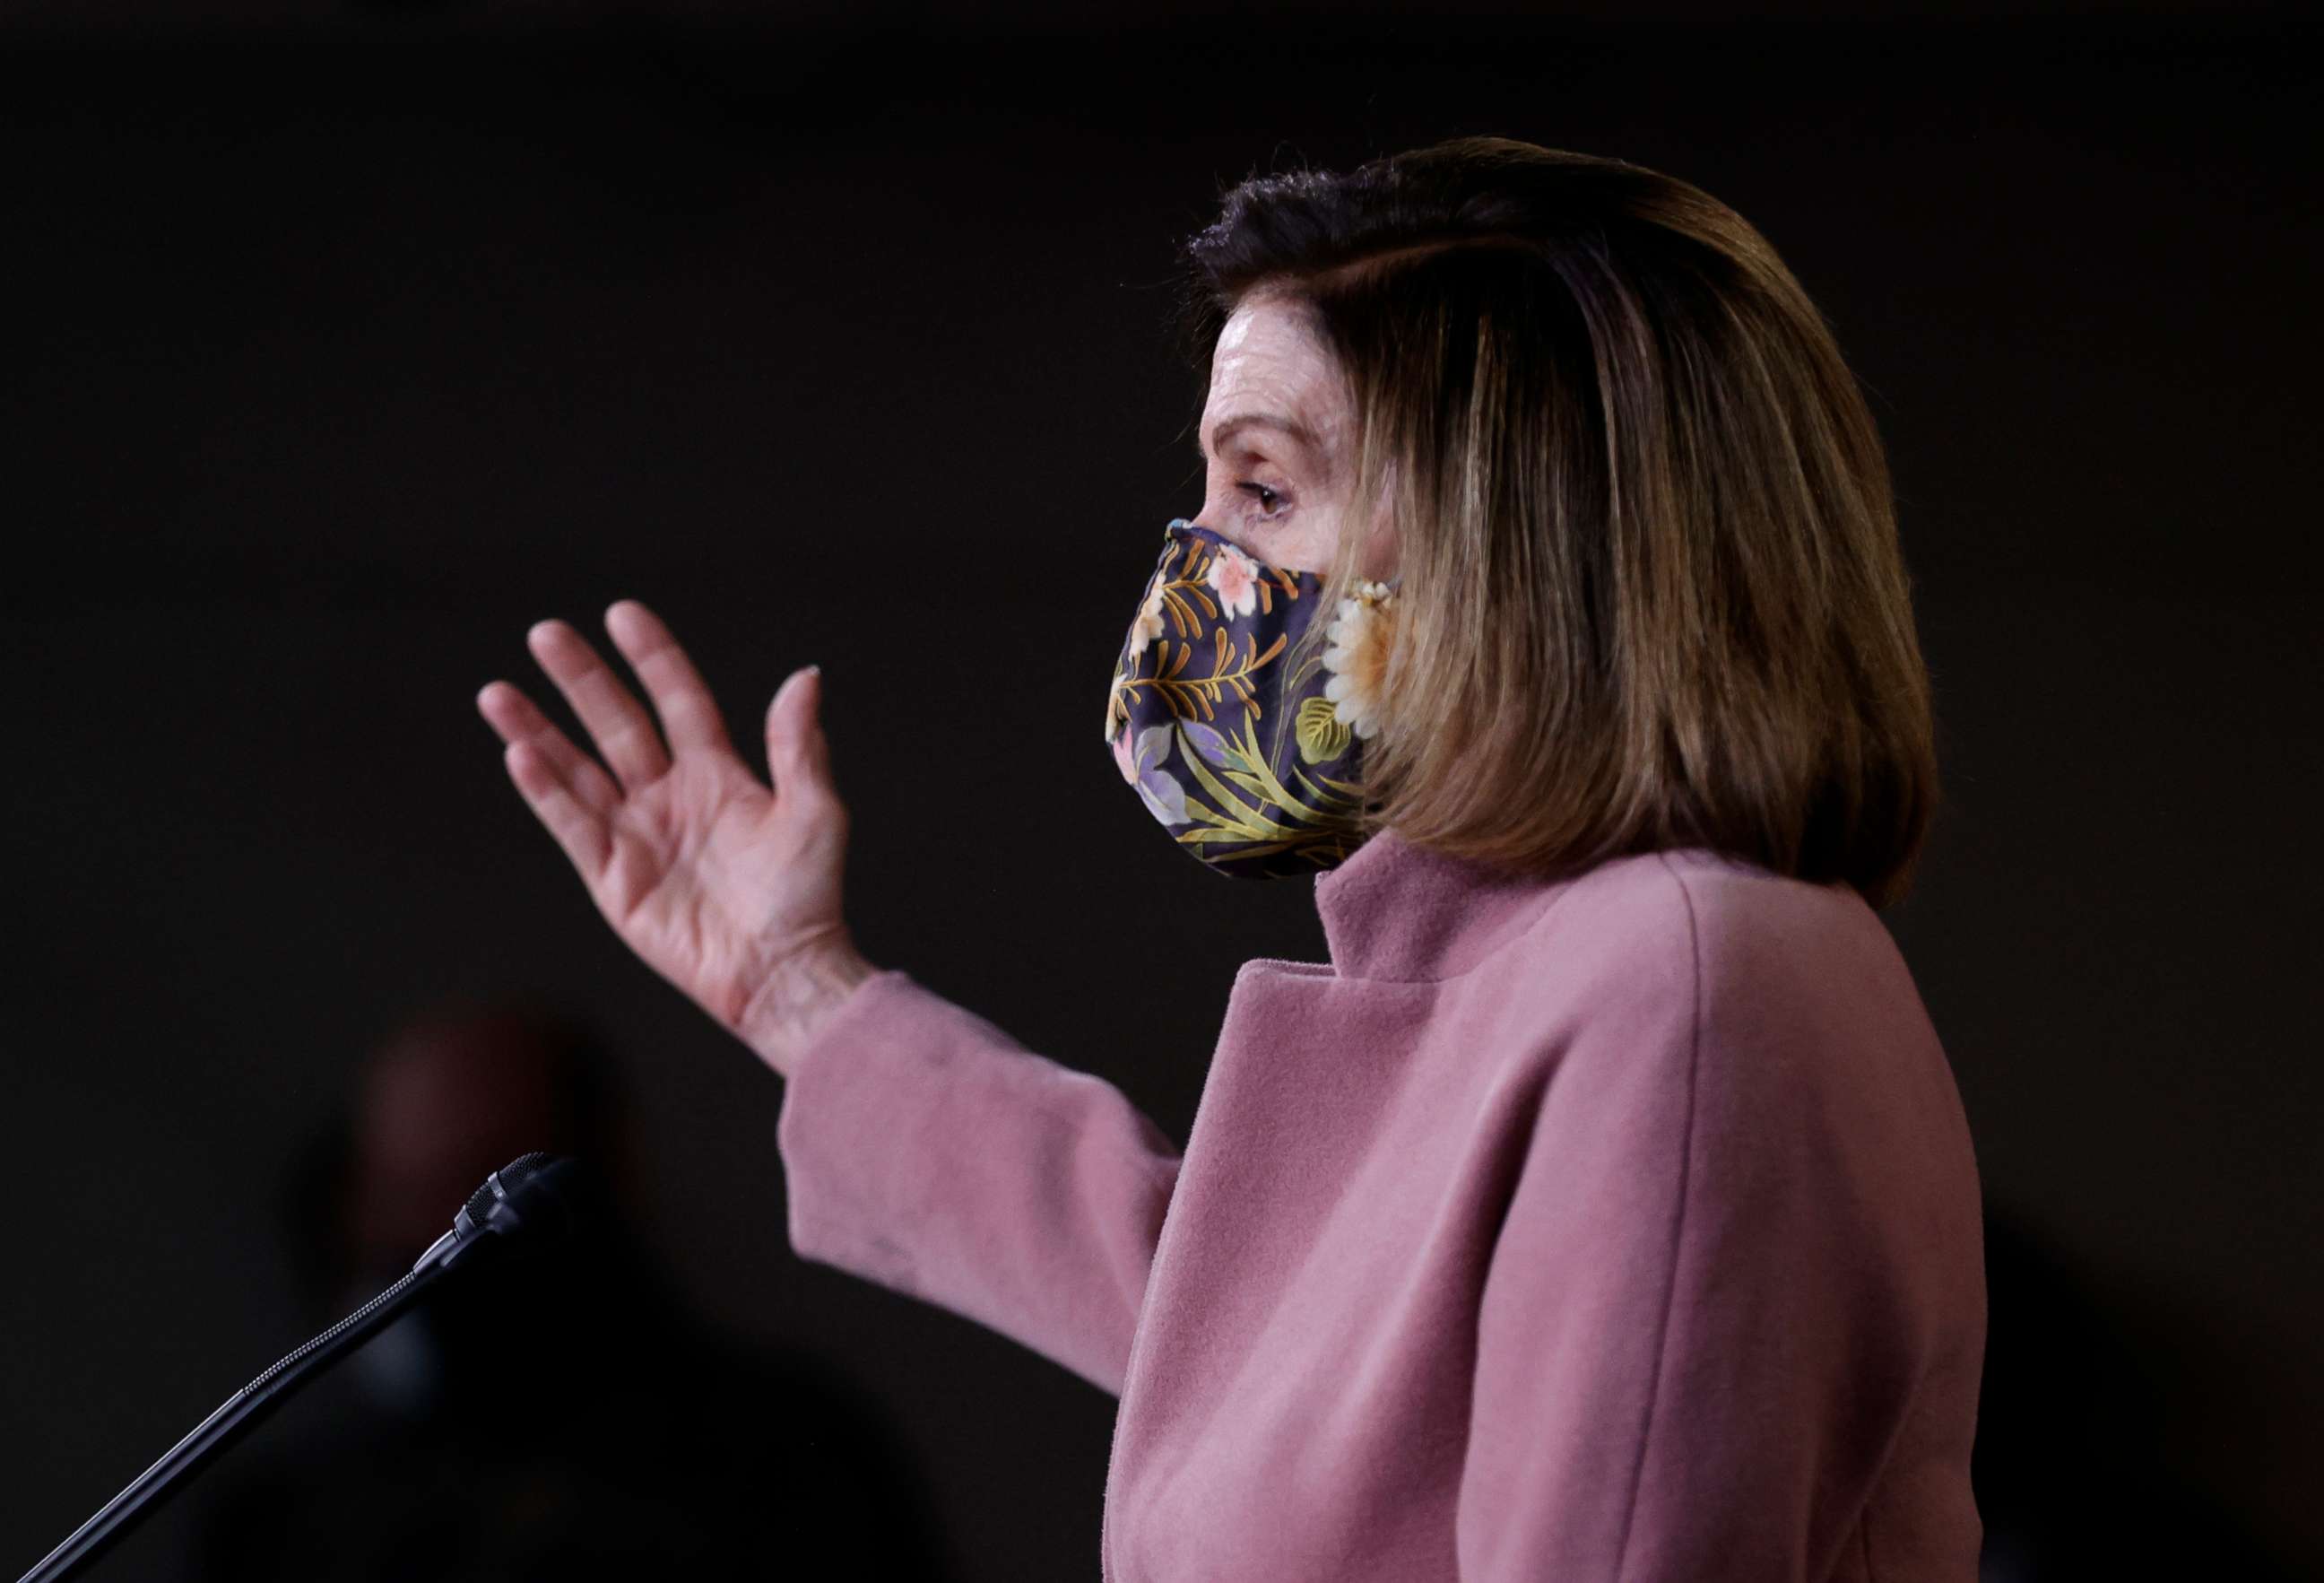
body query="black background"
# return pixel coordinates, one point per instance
(340, 348)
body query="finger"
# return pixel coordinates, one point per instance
(799, 757)
(585, 835)
(514, 716)
(617, 722)
(689, 714)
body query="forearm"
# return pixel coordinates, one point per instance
(928, 1151)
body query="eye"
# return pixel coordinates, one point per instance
(1266, 498)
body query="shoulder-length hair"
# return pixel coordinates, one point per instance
(1652, 595)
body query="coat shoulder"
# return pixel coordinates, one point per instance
(1684, 945)
(1723, 916)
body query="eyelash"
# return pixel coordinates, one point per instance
(1256, 490)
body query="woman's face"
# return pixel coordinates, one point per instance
(1275, 435)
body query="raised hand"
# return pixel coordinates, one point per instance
(726, 885)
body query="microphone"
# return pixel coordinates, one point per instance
(534, 1202)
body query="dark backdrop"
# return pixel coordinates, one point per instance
(336, 355)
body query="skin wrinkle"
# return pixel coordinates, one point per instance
(1270, 363)
(1678, 1226)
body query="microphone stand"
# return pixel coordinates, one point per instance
(240, 1413)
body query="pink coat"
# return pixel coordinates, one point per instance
(1622, 1228)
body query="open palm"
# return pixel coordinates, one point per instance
(709, 873)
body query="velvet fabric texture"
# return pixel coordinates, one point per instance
(1625, 1226)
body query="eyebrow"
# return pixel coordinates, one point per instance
(1227, 425)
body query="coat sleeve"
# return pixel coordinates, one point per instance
(1740, 1258)
(926, 1150)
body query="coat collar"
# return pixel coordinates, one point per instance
(1394, 911)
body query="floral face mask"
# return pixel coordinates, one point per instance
(1255, 768)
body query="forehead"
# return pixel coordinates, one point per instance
(1268, 356)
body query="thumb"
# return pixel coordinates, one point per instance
(797, 753)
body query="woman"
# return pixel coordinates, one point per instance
(1604, 1207)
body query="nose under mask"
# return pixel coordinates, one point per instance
(1254, 769)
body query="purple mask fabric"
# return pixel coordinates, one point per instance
(1256, 769)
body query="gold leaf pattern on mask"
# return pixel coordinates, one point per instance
(1322, 733)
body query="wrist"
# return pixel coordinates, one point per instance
(798, 996)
